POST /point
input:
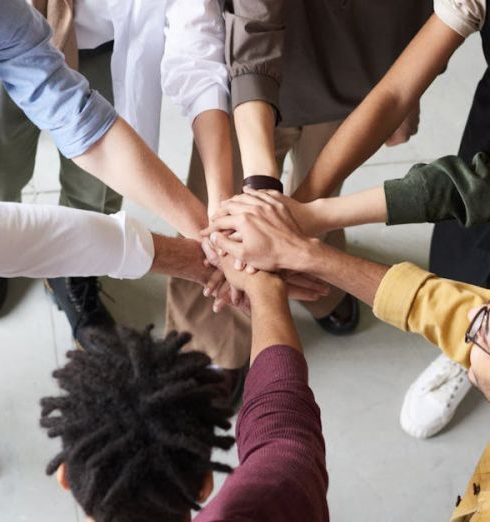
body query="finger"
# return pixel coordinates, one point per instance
(236, 236)
(215, 281)
(227, 245)
(271, 197)
(238, 264)
(220, 213)
(236, 296)
(239, 204)
(218, 305)
(251, 270)
(224, 223)
(209, 251)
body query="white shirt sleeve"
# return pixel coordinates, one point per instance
(50, 241)
(463, 16)
(194, 72)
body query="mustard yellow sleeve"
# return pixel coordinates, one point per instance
(414, 300)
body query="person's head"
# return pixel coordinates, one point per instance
(137, 424)
(479, 372)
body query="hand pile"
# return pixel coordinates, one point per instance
(259, 231)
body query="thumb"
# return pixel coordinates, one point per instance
(223, 243)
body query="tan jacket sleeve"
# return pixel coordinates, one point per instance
(60, 15)
(254, 47)
(414, 300)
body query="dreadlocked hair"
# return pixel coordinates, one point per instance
(137, 425)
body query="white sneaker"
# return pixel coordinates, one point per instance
(431, 401)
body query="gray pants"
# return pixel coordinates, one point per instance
(18, 144)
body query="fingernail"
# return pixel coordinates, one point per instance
(206, 292)
(213, 237)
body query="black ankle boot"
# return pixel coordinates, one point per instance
(79, 298)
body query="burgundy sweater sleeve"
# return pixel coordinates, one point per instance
(282, 472)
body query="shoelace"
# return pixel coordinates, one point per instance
(450, 371)
(84, 293)
(445, 374)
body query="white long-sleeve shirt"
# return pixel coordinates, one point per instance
(51, 241)
(171, 47)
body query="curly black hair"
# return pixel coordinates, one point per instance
(137, 425)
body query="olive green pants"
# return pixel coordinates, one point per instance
(18, 144)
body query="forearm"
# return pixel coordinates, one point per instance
(383, 110)
(272, 323)
(354, 275)
(368, 206)
(255, 126)
(212, 135)
(178, 257)
(125, 163)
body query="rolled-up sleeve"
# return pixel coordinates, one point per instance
(194, 72)
(53, 96)
(463, 16)
(448, 188)
(255, 33)
(52, 241)
(414, 300)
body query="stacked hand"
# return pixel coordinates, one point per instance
(257, 230)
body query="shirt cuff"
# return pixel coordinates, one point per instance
(276, 363)
(396, 293)
(455, 19)
(138, 248)
(255, 87)
(93, 122)
(214, 98)
(407, 199)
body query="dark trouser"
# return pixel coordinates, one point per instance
(18, 144)
(464, 253)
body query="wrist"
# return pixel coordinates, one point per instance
(265, 286)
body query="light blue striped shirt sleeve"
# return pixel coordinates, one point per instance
(52, 95)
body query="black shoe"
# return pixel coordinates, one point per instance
(79, 298)
(344, 319)
(3, 291)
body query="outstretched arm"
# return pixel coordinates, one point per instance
(255, 78)
(383, 110)
(445, 189)
(405, 296)
(84, 126)
(58, 241)
(123, 161)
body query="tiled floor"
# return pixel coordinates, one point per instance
(376, 471)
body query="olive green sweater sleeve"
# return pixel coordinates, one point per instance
(255, 32)
(446, 189)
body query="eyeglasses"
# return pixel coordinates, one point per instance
(480, 320)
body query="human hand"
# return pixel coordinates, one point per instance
(479, 372)
(406, 130)
(306, 215)
(269, 237)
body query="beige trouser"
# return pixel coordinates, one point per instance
(226, 337)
